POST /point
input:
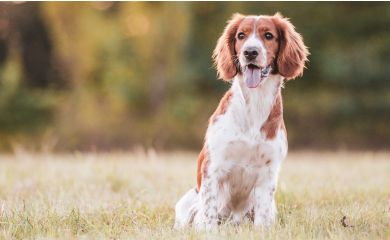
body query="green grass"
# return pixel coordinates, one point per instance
(132, 195)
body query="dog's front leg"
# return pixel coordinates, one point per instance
(264, 204)
(207, 216)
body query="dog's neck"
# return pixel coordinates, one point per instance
(255, 104)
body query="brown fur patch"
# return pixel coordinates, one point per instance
(222, 106)
(293, 53)
(275, 119)
(224, 52)
(202, 170)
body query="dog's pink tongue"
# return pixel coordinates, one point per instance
(252, 77)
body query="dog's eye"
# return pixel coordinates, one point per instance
(268, 36)
(241, 35)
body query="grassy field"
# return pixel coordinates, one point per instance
(132, 195)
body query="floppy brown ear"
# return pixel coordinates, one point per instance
(224, 53)
(293, 53)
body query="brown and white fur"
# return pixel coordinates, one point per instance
(246, 140)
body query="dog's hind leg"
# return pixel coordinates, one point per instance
(186, 209)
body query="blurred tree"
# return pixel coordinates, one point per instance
(26, 26)
(4, 32)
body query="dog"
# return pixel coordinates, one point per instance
(246, 139)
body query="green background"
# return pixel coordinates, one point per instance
(110, 76)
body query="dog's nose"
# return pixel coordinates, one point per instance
(251, 53)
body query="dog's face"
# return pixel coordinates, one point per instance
(256, 46)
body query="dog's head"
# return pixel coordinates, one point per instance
(256, 46)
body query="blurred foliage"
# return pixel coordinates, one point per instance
(140, 73)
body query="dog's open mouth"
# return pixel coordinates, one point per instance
(254, 75)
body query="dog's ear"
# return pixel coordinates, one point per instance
(293, 53)
(224, 52)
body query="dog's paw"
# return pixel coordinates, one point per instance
(206, 224)
(264, 220)
(265, 217)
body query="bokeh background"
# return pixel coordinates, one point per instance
(115, 76)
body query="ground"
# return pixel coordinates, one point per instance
(321, 195)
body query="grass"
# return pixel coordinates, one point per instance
(132, 195)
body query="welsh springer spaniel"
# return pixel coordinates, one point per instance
(246, 140)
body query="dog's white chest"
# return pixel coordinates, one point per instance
(237, 133)
(238, 149)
